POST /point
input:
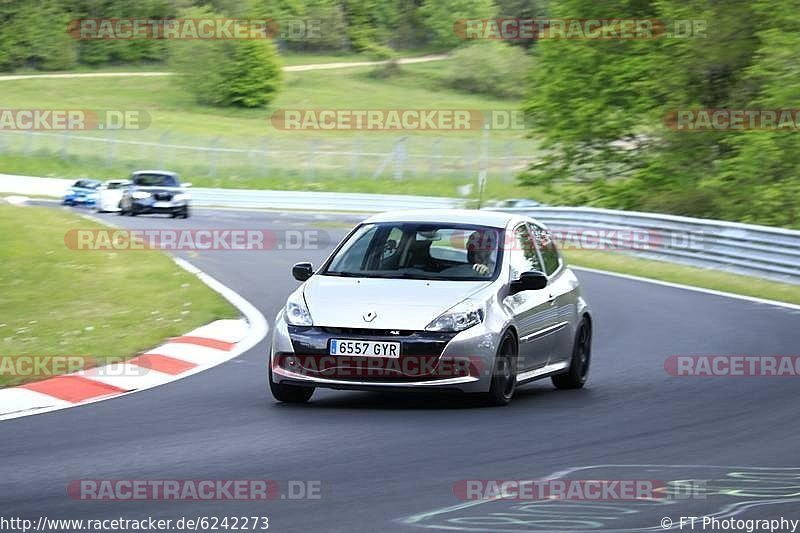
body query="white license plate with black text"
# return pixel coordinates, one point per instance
(365, 348)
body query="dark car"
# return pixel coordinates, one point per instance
(155, 191)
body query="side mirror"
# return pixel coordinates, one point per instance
(187, 185)
(302, 271)
(529, 281)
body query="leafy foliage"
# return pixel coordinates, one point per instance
(599, 106)
(491, 68)
(238, 73)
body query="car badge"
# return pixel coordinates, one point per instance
(369, 317)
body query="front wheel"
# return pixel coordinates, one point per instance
(289, 393)
(578, 372)
(504, 373)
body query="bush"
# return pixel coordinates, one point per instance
(386, 70)
(490, 68)
(228, 73)
(28, 39)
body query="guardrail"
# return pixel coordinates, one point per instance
(761, 251)
(255, 199)
(322, 201)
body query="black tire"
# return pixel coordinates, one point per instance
(289, 393)
(185, 213)
(578, 372)
(504, 373)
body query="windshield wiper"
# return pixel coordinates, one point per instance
(343, 274)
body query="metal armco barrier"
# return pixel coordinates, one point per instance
(761, 251)
(729, 246)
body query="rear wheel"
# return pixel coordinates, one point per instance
(289, 393)
(504, 374)
(578, 372)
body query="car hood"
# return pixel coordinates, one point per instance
(159, 189)
(408, 304)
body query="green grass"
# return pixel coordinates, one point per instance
(687, 275)
(438, 162)
(60, 302)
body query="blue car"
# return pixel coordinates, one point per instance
(83, 193)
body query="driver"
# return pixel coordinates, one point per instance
(480, 247)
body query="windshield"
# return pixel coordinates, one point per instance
(86, 184)
(155, 180)
(414, 250)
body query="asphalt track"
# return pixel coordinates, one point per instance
(389, 461)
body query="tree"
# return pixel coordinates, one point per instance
(237, 73)
(440, 16)
(599, 108)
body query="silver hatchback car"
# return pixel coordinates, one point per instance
(471, 301)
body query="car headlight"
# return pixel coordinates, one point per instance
(180, 197)
(458, 318)
(296, 310)
(140, 195)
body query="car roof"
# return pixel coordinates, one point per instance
(163, 172)
(495, 219)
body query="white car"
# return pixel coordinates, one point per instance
(109, 195)
(474, 301)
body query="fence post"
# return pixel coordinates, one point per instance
(312, 154)
(354, 157)
(64, 144)
(399, 158)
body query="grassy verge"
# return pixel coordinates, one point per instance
(697, 277)
(255, 153)
(99, 305)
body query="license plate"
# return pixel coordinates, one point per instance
(162, 204)
(365, 348)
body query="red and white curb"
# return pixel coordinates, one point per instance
(180, 357)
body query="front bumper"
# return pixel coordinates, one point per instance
(150, 206)
(78, 200)
(429, 361)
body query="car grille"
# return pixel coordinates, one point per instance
(367, 331)
(163, 196)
